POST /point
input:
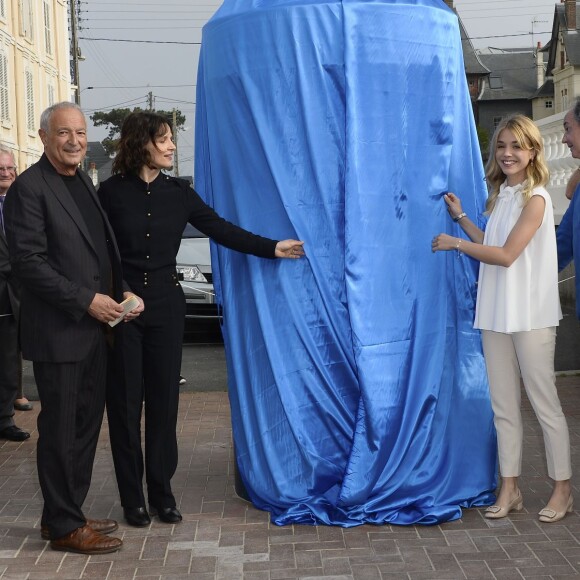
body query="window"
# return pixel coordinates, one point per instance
(51, 93)
(4, 108)
(47, 27)
(26, 18)
(496, 121)
(549, 104)
(565, 99)
(495, 82)
(30, 124)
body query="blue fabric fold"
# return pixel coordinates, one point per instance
(357, 383)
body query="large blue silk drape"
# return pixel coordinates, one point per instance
(357, 383)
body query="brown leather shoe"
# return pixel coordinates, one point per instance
(101, 526)
(86, 541)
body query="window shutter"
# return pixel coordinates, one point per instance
(26, 18)
(47, 28)
(4, 108)
(29, 101)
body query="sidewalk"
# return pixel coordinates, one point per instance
(225, 538)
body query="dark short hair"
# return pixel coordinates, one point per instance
(138, 130)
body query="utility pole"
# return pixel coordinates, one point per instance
(75, 51)
(150, 100)
(176, 154)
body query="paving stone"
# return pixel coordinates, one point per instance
(225, 538)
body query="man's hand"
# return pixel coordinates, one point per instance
(136, 311)
(104, 308)
(289, 249)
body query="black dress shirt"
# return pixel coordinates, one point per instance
(149, 218)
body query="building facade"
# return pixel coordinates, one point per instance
(34, 70)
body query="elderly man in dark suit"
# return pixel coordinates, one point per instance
(64, 254)
(10, 360)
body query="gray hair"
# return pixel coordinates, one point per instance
(5, 150)
(576, 110)
(47, 113)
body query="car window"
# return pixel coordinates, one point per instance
(191, 232)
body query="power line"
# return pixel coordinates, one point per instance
(177, 100)
(133, 19)
(138, 5)
(199, 43)
(141, 41)
(143, 87)
(504, 16)
(141, 28)
(141, 11)
(116, 105)
(527, 2)
(508, 35)
(496, 8)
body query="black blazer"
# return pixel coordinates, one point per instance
(56, 264)
(9, 290)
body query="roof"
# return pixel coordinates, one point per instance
(473, 64)
(96, 154)
(571, 38)
(512, 75)
(546, 90)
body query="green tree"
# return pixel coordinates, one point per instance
(113, 119)
(483, 138)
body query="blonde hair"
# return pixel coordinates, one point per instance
(529, 138)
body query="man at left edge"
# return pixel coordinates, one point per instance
(66, 259)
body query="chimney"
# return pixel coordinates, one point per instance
(539, 66)
(571, 14)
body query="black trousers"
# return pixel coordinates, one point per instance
(145, 369)
(10, 369)
(72, 400)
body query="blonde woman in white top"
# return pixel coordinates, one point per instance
(518, 307)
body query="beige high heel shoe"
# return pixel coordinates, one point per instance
(549, 516)
(494, 512)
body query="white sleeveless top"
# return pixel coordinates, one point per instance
(525, 295)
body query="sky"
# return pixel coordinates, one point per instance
(133, 47)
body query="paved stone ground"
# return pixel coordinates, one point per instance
(225, 538)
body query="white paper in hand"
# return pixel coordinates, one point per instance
(128, 304)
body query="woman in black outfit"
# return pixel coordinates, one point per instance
(148, 211)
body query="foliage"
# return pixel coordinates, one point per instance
(483, 138)
(113, 119)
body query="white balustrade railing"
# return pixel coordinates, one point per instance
(560, 163)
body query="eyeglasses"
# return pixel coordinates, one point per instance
(9, 168)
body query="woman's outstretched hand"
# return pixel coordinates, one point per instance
(289, 249)
(453, 204)
(444, 242)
